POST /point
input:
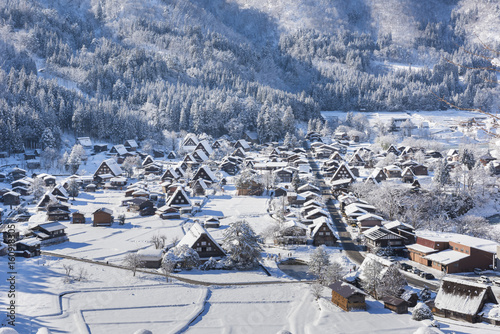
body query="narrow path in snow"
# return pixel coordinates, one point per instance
(204, 311)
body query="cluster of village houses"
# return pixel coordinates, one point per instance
(306, 218)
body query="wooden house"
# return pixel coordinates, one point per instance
(395, 304)
(118, 150)
(393, 149)
(47, 231)
(347, 296)
(148, 160)
(378, 175)
(322, 233)
(243, 144)
(28, 247)
(179, 199)
(168, 212)
(57, 211)
(78, 218)
(368, 220)
(419, 170)
(204, 172)
(17, 173)
(292, 232)
(356, 160)
(229, 167)
(407, 176)
(285, 175)
(131, 145)
(205, 147)
(239, 152)
(153, 168)
(343, 172)
(380, 237)
(212, 222)
(102, 217)
(199, 156)
(190, 142)
(98, 148)
(461, 299)
(170, 174)
(405, 230)
(108, 167)
(11, 198)
(393, 171)
(202, 242)
(410, 297)
(199, 187)
(171, 155)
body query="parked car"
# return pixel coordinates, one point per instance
(496, 282)
(416, 271)
(427, 275)
(405, 266)
(478, 271)
(484, 279)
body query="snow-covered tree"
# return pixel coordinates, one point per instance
(441, 174)
(76, 157)
(37, 188)
(241, 244)
(316, 290)
(392, 282)
(168, 266)
(371, 280)
(73, 188)
(421, 312)
(133, 261)
(184, 256)
(130, 163)
(319, 261)
(334, 272)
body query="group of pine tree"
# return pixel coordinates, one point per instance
(140, 78)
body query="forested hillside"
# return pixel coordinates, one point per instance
(116, 70)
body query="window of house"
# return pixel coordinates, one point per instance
(203, 243)
(198, 249)
(320, 233)
(209, 249)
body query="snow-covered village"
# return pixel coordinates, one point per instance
(301, 236)
(249, 166)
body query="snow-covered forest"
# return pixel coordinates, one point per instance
(115, 70)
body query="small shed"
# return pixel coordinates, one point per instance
(102, 217)
(394, 304)
(78, 218)
(212, 222)
(151, 258)
(347, 296)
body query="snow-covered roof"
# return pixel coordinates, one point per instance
(318, 225)
(85, 141)
(422, 249)
(209, 172)
(106, 210)
(483, 244)
(51, 227)
(201, 154)
(345, 290)
(369, 216)
(354, 211)
(120, 149)
(447, 256)
(379, 232)
(461, 296)
(150, 254)
(132, 143)
(393, 168)
(396, 223)
(29, 242)
(206, 146)
(194, 233)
